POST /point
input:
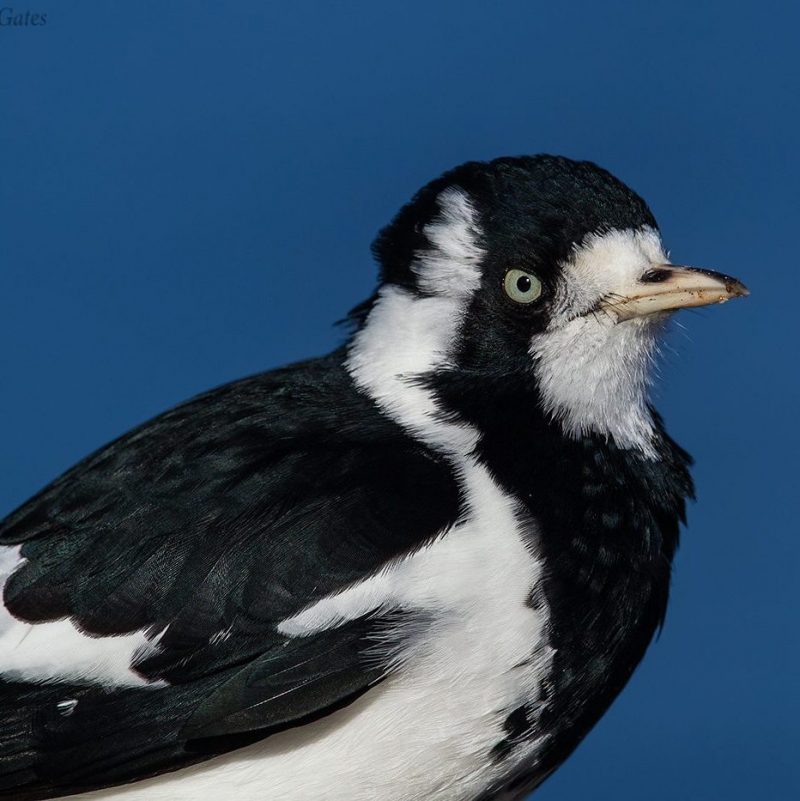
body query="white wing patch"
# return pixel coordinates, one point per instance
(58, 651)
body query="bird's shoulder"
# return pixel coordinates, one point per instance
(167, 561)
(288, 474)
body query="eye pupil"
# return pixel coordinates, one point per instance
(524, 283)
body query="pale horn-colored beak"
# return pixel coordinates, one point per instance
(669, 286)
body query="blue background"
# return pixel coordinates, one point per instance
(188, 191)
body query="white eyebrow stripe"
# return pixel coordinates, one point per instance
(451, 266)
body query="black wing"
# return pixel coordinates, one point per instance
(206, 528)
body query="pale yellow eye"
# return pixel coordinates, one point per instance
(522, 287)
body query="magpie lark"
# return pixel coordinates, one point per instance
(420, 567)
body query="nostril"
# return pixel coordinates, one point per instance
(655, 276)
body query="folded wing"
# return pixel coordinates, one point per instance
(164, 564)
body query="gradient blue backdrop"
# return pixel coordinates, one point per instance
(188, 191)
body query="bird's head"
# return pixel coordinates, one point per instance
(536, 267)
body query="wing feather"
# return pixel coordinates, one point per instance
(204, 529)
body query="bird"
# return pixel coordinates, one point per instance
(421, 566)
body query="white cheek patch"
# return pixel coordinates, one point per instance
(594, 373)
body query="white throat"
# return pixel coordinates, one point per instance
(594, 379)
(594, 373)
